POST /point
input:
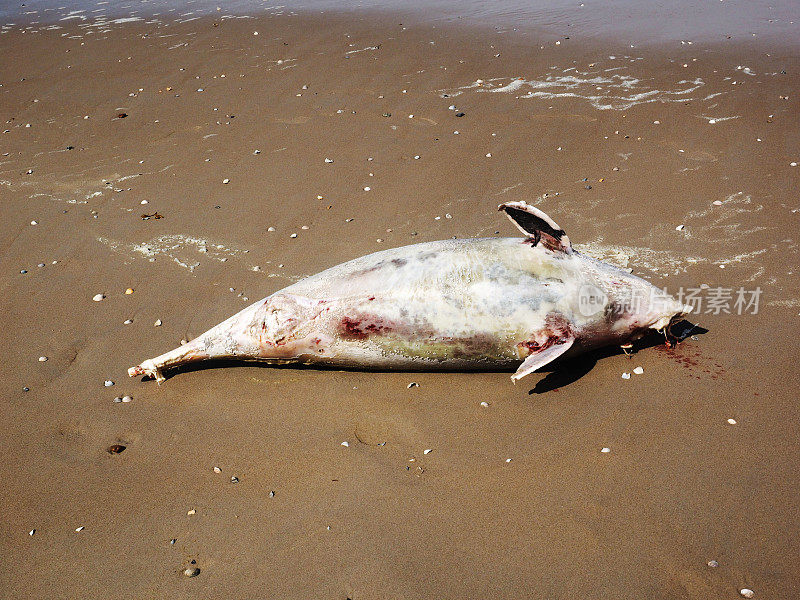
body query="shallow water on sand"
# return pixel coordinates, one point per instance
(632, 21)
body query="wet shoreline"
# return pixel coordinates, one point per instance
(202, 167)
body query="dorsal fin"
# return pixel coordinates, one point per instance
(535, 223)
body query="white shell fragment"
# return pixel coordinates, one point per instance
(413, 384)
(485, 404)
(108, 383)
(191, 512)
(638, 370)
(746, 593)
(31, 532)
(157, 323)
(731, 421)
(605, 450)
(680, 228)
(345, 444)
(81, 528)
(626, 375)
(127, 399)
(226, 181)
(98, 297)
(217, 470)
(427, 451)
(42, 359)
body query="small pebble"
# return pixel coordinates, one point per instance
(127, 399)
(746, 593)
(98, 297)
(234, 479)
(792, 164)
(731, 421)
(367, 188)
(485, 404)
(605, 450)
(108, 383)
(217, 470)
(195, 571)
(328, 160)
(191, 512)
(712, 563)
(626, 375)
(157, 323)
(638, 370)
(172, 541)
(226, 180)
(127, 322)
(128, 291)
(42, 359)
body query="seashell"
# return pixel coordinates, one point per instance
(638, 370)
(191, 571)
(746, 593)
(98, 297)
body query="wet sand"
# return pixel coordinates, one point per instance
(619, 145)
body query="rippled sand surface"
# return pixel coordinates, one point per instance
(207, 163)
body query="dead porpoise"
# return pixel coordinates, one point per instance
(453, 304)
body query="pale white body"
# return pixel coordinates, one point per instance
(452, 304)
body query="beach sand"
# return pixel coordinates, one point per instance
(619, 145)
